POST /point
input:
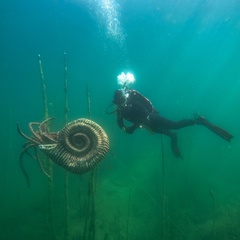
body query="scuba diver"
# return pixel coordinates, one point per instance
(137, 109)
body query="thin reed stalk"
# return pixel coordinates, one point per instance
(44, 94)
(65, 88)
(214, 212)
(66, 177)
(164, 197)
(128, 212)
(90, 228)
(88, 102)
(45, 159)
(166, 219)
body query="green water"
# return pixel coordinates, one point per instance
(185, 58)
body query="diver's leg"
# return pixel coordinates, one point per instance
(159, 122)
(156, 122)
(174, 144)
(200, 120)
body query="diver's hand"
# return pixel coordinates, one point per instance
(130, 130)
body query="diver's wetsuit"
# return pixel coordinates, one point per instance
(136, 108)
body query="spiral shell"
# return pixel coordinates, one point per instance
(81, 145)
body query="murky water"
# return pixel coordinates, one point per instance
(185, 59)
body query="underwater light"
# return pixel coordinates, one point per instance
(124, 79)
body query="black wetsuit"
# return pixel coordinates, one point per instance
(139, 110)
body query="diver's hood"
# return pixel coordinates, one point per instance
(119, 97)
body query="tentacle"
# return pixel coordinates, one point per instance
(43, 127)
(22, 167)
(25, 136)
(29, 154)
(45, 134)
(51, 137)
(36, 134)
(40, 164)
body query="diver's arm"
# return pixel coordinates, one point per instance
(120, 119)
(120, 123)
(130, 129)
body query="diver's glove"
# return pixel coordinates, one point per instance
(131, 129)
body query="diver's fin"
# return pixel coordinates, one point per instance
(220, 132)
(174, 146)
(217, 130)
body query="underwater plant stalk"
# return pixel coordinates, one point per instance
(92, 224)
(89, 227)
(66, 196)
(88, 102)
(92, 185)
(47, 162)
(166, 221)
(65, 88)
(128, 212)
(45, 106)
(214, 212)
(66, 179)
(164, 197)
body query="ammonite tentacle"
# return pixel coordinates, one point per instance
(81, 145)
(25, 150)
(35, 134)
(43, 126)
(25, 136)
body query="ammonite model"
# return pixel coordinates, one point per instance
(78, 147)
